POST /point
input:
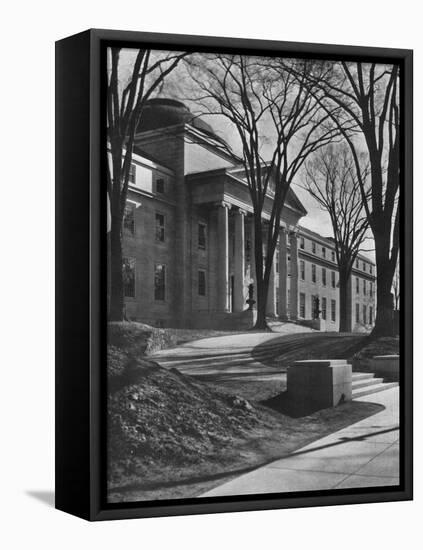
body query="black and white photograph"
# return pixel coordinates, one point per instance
(254, 283)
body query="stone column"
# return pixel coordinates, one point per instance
(222, 257)
(239, 261)
(294, 275)
(283, 274)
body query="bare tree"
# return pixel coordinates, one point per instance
(268, 108)
(332, 181)
(125, 101)
(368, 96)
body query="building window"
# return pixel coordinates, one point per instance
(277, 261)
(364, 287)
(333, 310)
(128, 271)
(132, 173)
(201, 282)
(160, 227)
(370, 268)
(302, 305)
(333, 279)
(202, 236)
(323, 276)
(364, 266)
(324, 308)
(333, 255)
(289, 266)
(313, 247)
(160, 186)
(313, 273)
(302, 243)
(357, 285)
(159, 282)
(302, 270)
(357, 313)
(371, 289)
(315, 305)
(129, 218)
(364, 314)
(370, 315)
(357, 264)
(323, 252)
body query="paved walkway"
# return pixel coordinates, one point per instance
(365, 454)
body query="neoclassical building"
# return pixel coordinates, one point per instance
(189, 244)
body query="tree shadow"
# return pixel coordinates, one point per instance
(46, 497)
(283, 351)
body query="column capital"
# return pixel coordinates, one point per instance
(222, 204)
(240, 211)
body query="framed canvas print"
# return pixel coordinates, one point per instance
(234, 274)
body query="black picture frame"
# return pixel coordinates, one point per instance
(80, 276)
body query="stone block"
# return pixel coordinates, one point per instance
(386, 366)
(319, 384)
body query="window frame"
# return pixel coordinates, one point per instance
(202, 271)
(324, 308)
(302, 270)
(333, 310)
(134, 294)
(302, 305)
(129, 231)
(157, 240)
(204, 226)
(163, 183)
(132, 176)
(156, 264)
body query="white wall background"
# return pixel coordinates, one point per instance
(28, 32)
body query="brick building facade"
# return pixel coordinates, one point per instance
(189, 246)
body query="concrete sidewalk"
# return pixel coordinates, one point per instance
(365, 454)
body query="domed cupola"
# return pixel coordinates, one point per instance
(163, 112)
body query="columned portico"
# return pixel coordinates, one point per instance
(239, 260)
(293, 243)
(223, 256)
(283, 314)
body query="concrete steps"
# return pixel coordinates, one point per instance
(365, 383)
(240, 361)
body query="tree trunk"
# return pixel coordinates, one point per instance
(344, 321)
(262, 284)
(116, 312)
(384, 306)
(262, 289)
(384, 312)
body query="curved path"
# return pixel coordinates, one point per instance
(255, 354)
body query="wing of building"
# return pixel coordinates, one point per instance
(189, 246)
